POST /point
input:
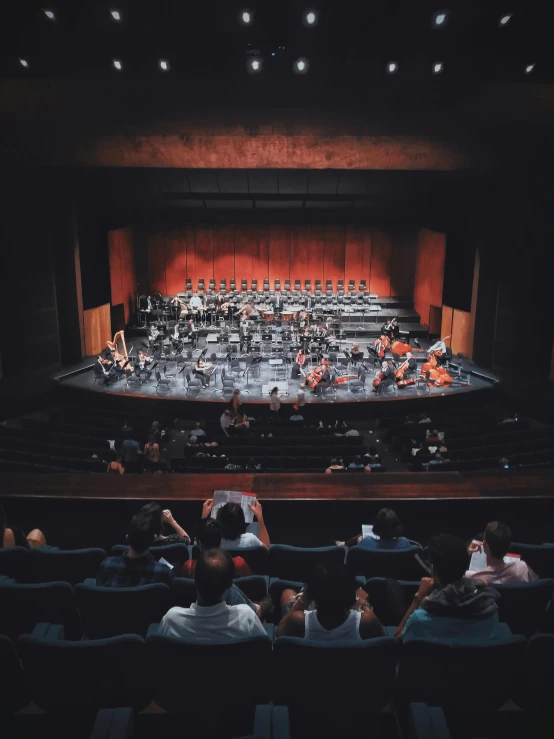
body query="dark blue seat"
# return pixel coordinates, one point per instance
(539, 557)
(14, 691)
(248, 658)
(427, 723)
(537, 694)
(109, 612)
(255, 557)
(24, 605)
(113, 723)
(175, 554)
(70, 566)
(81, 677)
(398, 563)
(523, 605)
(333, 689)
(444, 674)
(375, 588)
(15, 563)
(299, 563)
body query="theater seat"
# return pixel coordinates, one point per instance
(113, 723)
(298, 563)
(79, 677)
(537, 693)
(445, 674)
(523, 605)
(24, 605)
(14, 691)
(70, 566)
(257, 558)
(175, 554)
(539, 557)
(400, 563)
(15, 563)
(333, 689)
(109, 612)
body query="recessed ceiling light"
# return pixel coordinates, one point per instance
(311, 18)
(392, 67)
(24, 63)
(50, 14)
(437, 67)
(164, 64)
(505, 19)
(117, 64)
(440, 18)
(246, 17)
(255, 65)
(301, 66)
(116, 15)
(529, 68)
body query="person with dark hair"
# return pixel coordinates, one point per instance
(152, 457)
(387, 533)
(448, 606)
(357, 464)
(210, 618)
(159, 517)
(335, 466)
(136, 566)
(496, 545)
(114, 464)
(131, 453)
(230, 517)
(341, 613)
(207, 534)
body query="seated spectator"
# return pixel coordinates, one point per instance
(296, 416)
(131, 454)
(14, 537)
(193, 441)
(114, 465)
(159, 517)
(387, 527)
(448, 606)
(424, 418)
(373, 455)
(152, 458)
(335, 466)
(207, 534)
(136, 566)
(230, 518)
(496, 545)
(155, 432)
(437, 459)
(330, 609)
(253, 466)
(199, 431)
(274, 403)
(358, 464)
(210, 618)
(241, 421)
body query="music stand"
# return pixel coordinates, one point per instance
(255, 360)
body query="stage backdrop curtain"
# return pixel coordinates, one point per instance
(123, 277)
(384, 257)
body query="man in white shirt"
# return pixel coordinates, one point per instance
(195, 301)
(210, 618)
(496, 544)
(225, 421)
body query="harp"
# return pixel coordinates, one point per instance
(118, 347)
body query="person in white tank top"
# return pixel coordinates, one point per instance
(342, 613)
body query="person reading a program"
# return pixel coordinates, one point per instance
(489, 561)
(230, 518)
(386, 533)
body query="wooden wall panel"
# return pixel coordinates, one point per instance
(462, 335)
(446, 323)
(381, 260)
(224, 253)
(279, 254)
(122, 269)
(260, 260)
(200, 256)
(246, 244)
(98, 329)
(429, 271)
(403, 262)
(315, 240)
(155, 244)
(358, 254)
(176, 260)
(298, 255)
(334, 255)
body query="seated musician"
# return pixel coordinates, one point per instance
(390, 328)
(387, 380)
(301, 358)
(104, 368)
(202, 371)
(381, 346)
(357, 355)
(176, 305)
(324, 382)
(195, 302)
(412, 366)
(142, 360)
(441, 351)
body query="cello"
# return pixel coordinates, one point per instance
(398, 347)
(400, 372)
(437, 374)
(381, 345)
(313, 378)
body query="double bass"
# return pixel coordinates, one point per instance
(437, 374)
(400, 372)
(314, 377)
(398, 347)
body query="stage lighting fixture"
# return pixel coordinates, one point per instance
(117, 64)
(505, 19)
(164, 64)
(529, 68)
(24, 63)
(246, 17)
(50, 14)
(437, 67)
(116, 15)
(301, 66)
(392, 67)
(310, 18)
(439, 19)
(255, 64)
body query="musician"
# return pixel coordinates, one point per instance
(412, 366)
(309, 303)
(104, 368)
(390, 328)
(142, 360)
(324, 382)
(301, 358)
(278, 303)
(195, 302)
(176, 305)
(202, 371)
(381, 345)
(357, 355)
(388, 378)
(441, 351)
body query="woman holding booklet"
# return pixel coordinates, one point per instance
(234, 511)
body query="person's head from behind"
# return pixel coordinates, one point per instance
(498, 539)
(373, 451)
(207, 533)
(213, 575)
(230, 517)
(113, 456)
(154, 510)
(438, 455)
(357, 460)
(275, 391)
(448, 557)
(387, 525)
(334, 462)
(333, 590)
(140, 533)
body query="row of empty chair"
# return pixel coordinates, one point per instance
(288, 284)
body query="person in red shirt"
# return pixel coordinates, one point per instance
(207, 533)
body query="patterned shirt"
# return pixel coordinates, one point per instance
(127, 572)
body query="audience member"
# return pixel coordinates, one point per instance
(210, 618)
(114, 464)
(296, 416)
(241, 421)
(496, 545)
(131, 454)
(373, 455)
(199, 431)
(159, 517)
(155, 432)
(448, 606)
(341, 613)
(152, 458)
(386, 533)
(424, 418)
(136, 566)
(253, 466)
(207, 535)
(230, 517)
(234, 403)
(437, 459)
(225, 421)
(335, 466)
(274, 403)
(358, 464)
